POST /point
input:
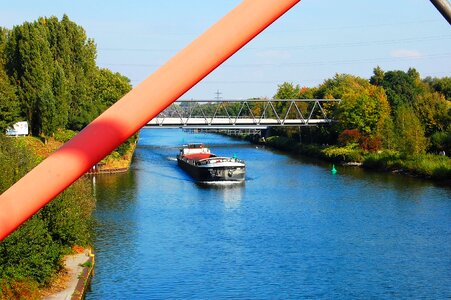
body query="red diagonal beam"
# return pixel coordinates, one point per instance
(135, 109)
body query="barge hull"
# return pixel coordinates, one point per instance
(206, 174)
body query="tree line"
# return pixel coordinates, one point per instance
(49, 77)
(394, 110)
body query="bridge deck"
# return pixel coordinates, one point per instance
(256, 113)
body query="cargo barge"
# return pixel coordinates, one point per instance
(204, 166)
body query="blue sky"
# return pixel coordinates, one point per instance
(312, 42)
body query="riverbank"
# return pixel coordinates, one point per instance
(428, 166)
(73, 281)
(117, 161)
(32, 259)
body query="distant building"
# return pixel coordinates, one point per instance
(18, 129)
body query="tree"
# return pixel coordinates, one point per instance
(387, 134)
(410, 131)
(285, 91)
(9, 106)
(53, 64)
(109, 88)
(77, 58)
(433, 111)
(363, 106)
(440, 85)
(401, 87)
(30, 63)
(378, 77)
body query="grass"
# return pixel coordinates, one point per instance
(425, 165)
(87, 264)
(43, 150)
(349, 153)
(116, 161)
(38, 147)
(432, 166)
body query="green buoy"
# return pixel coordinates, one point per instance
(334, 171)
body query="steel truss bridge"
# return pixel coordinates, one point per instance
(243, 114)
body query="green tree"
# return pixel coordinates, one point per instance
(79, 63)
(410, 131)
(363, 107)
(287, 90)
(401, 87)
(30, 63)
(440, 85)
(433, 111)
(387, 134)
(378, 77)
(109, 88)
(9, 106)
(53, 64)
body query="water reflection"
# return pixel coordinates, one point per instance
(230, 193)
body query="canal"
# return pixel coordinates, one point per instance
(292, 231)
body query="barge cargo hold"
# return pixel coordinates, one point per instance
(204, 166)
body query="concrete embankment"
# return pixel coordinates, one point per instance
(80, 269)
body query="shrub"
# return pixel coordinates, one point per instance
(64, 135)
(19, 289)
(428, 165)
(350, 153)
(385, 160)
(125, 146)
(441, 141)
(30, 253)
(370, 143)
(349, 136)
(33, 252)
(282, 143)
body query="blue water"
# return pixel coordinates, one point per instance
(292, 231)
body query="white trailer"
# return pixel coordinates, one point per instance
(18, 129)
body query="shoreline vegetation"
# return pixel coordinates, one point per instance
(428, 166)
(32, 258)
(49, 78)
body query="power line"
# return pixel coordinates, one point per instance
(316, 46)
(279, 81)
(306, 64)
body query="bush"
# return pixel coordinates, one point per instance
(441, 141)
(427, 165)
(350, 153)
(385, 160)
(32, 254)
(125, 146)
(29, 253)
(64, 135)
(19, 289)
(282, 143)
(349, 136)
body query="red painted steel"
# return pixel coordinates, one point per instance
(135, 109)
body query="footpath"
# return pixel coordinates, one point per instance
(80, 269)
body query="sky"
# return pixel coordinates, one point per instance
(309, 44)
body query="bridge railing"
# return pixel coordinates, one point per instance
(246, 113)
